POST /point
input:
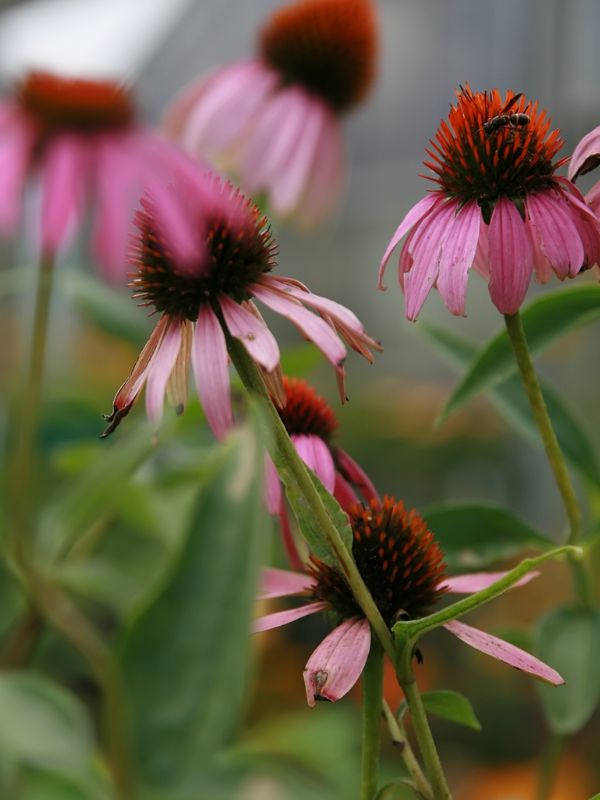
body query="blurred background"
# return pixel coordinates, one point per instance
(547, 49)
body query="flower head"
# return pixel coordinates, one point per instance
(82, 140)
(403, 568)
(201, 260)
(274, 121)
(498, 206)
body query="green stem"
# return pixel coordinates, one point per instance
(286, 459)
(518, 340)
(23, 640)
(372, 682)
(400, 740)
(437, 779)
(549, 766)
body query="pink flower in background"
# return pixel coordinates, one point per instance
(79, 139)
(201, 265)
(498, 207)
(273, 121)
(403, 568)
(585, 158)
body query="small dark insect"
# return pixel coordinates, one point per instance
(506, 120)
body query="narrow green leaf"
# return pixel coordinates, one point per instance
(452, 706)
(544, 320)
(509, 398)
(479, 535)
(569, 640)
(186, 658)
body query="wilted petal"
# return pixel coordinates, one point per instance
(282, 583)
(476, 581)
(504, 651)
(586, 155)
(511, 258)
(338, 662)
(457, 258)
(280, 618)
(252, 331)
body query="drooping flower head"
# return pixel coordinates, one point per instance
(201, 269)
(274, 121)
(403, 567)
(498, 205)
(81, 138)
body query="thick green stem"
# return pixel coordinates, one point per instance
(372, 682)
(286, 458)
(549, 766)
(518, 340)
(435, 773)
(400, 740)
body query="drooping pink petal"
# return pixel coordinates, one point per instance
(159, 370)
(344, 493)
(476, 581)
(272, 486)
(586, 155)
(481, 262)
(315, 454)
(415, 215)
(593, 198)
(210, 365)
(511, 257)
(426, 246)
(355, 474)
(558, 236)
(279, 618)
(177, 386)
(251, 331)
(16, 142)
(283, 583)
(457, 258)
(504, 651)
(64, 176)
(338, 662)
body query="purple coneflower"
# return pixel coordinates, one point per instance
(203, 283)
(403, 568)
(498, 207)
(274, 121)
(585, 158)
(80, 138)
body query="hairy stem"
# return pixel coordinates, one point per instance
(400, 740)
(372, 681)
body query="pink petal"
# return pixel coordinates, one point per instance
(504, 651)
(338, 662)
(415, 215)
(64, 174)
(481, 262)
(476, 581)
(210, 364)
(344, 493)
(588, 148)
(16, 143)
(272, 486)
(315, 454)
(252, 332)
(160, 369)
(458, 254)
(558, 236)
(283, 583)
(279, 618)
(356, 475)
(511, 257)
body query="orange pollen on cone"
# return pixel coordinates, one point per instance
(397, 557)
(492, 146)
(328, 46)
(74, 103)
(305, 411)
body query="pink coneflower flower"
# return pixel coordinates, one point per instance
(585, 158)
(498, 207)
(80, 139)
(403, 568)
(273, 122)
(205, 290)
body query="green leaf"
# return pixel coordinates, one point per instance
(569, 640)
(452, 706)
(544, 320)
(186, 658)
(300, 360)
(510, 399)
(479, 535)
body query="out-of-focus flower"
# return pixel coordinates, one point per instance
(403, 568)
(273, 121)
(585, 158)
(201, 266)
(81, 140)
(498, 207)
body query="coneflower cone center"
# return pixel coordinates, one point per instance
(69, 103)
(398, 559)
(305, 412)
(328, 46)
(485, 150)
(236, 257)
